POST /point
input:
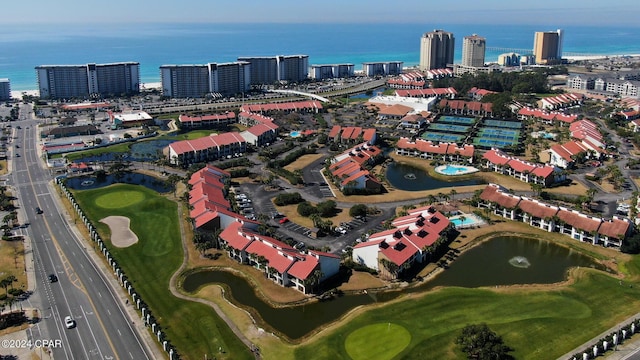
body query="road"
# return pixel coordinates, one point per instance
(103, 331)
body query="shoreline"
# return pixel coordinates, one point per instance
(17, 94)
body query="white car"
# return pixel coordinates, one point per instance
(69, 322)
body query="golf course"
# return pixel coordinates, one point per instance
(537, 322)
(192, 327)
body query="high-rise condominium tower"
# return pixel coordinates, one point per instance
(473, 50)
(436, 50)
(547, 46)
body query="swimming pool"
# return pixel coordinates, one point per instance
(455, 169)
(294, 134)
(466, 220)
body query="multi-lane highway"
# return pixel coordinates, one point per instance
(103, 330)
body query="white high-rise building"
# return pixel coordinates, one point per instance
(195, 81)
(473, 50)
(88, 81)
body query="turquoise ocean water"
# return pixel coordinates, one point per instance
(24, 47)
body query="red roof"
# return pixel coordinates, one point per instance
(614, 228)
(537, 209)
(579, 221)
(304, 266)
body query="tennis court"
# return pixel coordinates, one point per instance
(456, 120)
(490, 142)
(501, 134)
(442, 137)
(449, 128)
(502, 124)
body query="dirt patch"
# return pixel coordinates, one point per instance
(303, 161)
(121, 234)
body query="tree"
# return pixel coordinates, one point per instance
(358, 210)
(480, 342)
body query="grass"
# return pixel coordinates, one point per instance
(537, 324)
(12, 263)
(193, 328)
(3, 167)
(191, 135)
(291, 212)
(117, 148)
(364, 343)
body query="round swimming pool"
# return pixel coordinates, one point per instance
(451, 170)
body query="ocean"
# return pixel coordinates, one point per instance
(23, 47)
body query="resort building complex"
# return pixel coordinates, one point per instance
(280, 262)
(331, 71)
(183, 81)
(88, 81)
(436, 50)
(412, 240)
(382, 68)
(579, 226)
(268, 70)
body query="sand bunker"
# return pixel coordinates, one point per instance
(121, 235)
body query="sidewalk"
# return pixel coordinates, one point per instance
(623, 350)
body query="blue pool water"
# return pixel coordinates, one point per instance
(468, 220)
(294, 134)
(455, 170)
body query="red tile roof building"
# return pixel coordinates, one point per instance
(348, 169)
(431, 92)
(312, 106)
(477, 94)
(497, 161)
(411, 241)
(426, 149)
(547, 117)
(461, 107)
(190, 122)
(352, 135)
(560, 101)
(210, 208)
(214, 146)
(280, 262)
(579, 226)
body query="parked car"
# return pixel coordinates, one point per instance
(283, 220)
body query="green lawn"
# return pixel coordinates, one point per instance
(117, 148)
(537, 324)
(191, 135)
(193, 328)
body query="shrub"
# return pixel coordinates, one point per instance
(288, 199)
(306, 209)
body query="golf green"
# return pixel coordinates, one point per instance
(377, 341)
(119, 199)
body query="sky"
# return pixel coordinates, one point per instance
(541, 12)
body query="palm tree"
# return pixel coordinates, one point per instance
(11, 279)
(453, 193)
(5, 284)
(312, 279)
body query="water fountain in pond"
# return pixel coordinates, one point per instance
(87, 182)
(519, 262)
(410, 176)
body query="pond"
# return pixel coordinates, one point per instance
(410, 178)
(503, 260)
(92, 182)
